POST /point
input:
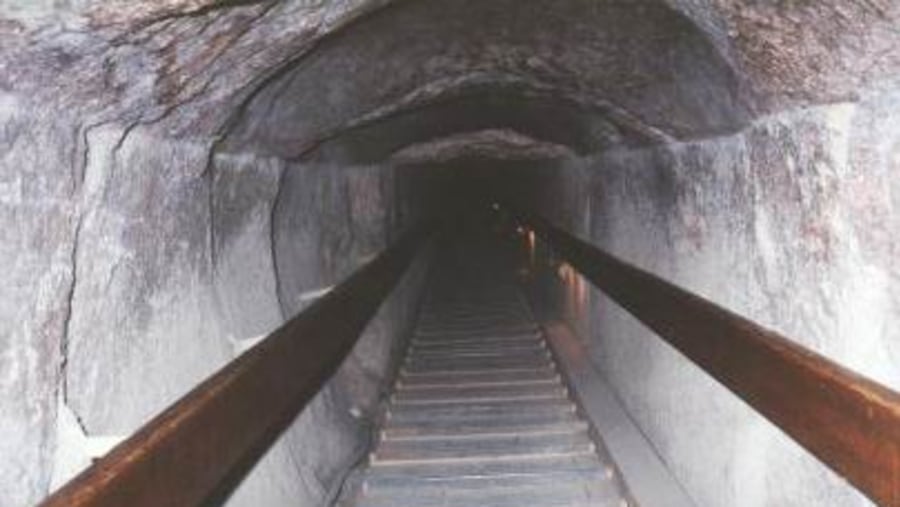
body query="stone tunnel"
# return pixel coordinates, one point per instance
(178, 177)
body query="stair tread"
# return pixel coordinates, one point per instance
(479, 415)
(478, 342)
(547, 463)
(509, 365)
(592, 477)
(456, 318)
(501, 409)
(437, 309)
(410, 380)
(467, 354)
(576, 493)
(473, 430)
(486, 423)
(467, 394)
(483, 446)
(477, 364)
(530, 350)
(461, 484)
(468, 323)
(447, 334)
(472, 325)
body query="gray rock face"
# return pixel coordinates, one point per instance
(143, 280)
(489, 144)
(802, 247)
(686, 66)
(435, 50)
(680, 68)
(800, 52)
(178, 176)
(36, 250)
(140, 265)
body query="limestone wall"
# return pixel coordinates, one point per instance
(135, 266)
(791, 223)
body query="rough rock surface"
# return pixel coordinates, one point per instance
(490, 144)
(804, 247)
(143, 258)
(36, 249)
(174, 176)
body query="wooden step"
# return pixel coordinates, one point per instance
(469, 340)
(422, 380)
(474, 394)
(537, 421)
(482, 447)
(543, 464)
(479, 415)
(420, 364)
(504, 412)
(565, 491)
(481, 332)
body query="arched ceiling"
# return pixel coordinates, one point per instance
(494, 144)
(639, 68)
(360, 79)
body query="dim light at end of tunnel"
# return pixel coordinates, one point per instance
(575, 287)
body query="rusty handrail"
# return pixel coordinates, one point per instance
(191, 451)
(849, 422)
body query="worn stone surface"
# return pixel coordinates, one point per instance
(312, 459)
(36, 248)
(676, 67)
(184, 66)
(799, 52)
(497, 144)
(788, 223)
(131, 238)
(344, 211)
(135, 267)
(142, 304)
(310, 462)
(465, 48)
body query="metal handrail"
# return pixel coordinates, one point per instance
(849, 422)
(201, 445)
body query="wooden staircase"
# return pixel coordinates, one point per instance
(479, 415)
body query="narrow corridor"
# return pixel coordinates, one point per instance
(219, 286)
(479, 413)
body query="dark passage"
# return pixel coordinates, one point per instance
(671, 276)
(479, 414)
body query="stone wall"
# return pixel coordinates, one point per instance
(790, 223)
(138, 265)
(139, 257)
(37, 240)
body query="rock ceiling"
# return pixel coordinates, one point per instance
(363, 78)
